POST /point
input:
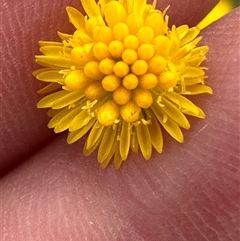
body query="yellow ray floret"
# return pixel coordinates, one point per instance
(121, 78)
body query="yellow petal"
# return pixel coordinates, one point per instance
(156, 134)
(125, 139)
(76, 18)
(192, 72)
(49, 75)
(144, 140)
(76, 135)
(134, 141)
(182, 30)
(191, 34)
(65, 122)
(173, 129)
(50, 88)
(174, 40)
(58, 117)
(195, 60)
(55, 50)
(193, 81)
(107, 143)
(108, 159)
(175, 113)
(64, 36)
(169, 125)
(55, 61)
(137, 6)
(89, 151)
(111, 154)
(49, 43)
(185, 50)
(80, 120)
(51, 99)
(91, 8)
(68, 99)
(51, 113)
(117, 157)
(198, 89)
(94, 135)
(200, 114)
(202, 50)
(184, 103)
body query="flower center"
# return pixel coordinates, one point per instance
(127, 60)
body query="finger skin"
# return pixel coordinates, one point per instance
(189, 192)
(24, 127)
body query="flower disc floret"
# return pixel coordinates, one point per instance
(106, 66)
(118, 15)
(130, 81)
(76, 80)
(134, 22)
(80, 56)
(155, 21)
(91, 70)
(121, 69)
(139, 67)
(162, 45)
(145, 34)
(100, 51)
(108, 113)
(95, 91)
(116, 49)
(129, 56)
(167, 80)
(122, 95)
(130, 111)
(143, 97)
(121, 77)
(120, 31)
(157, 64)
(103, 34)
(148, 81)
(111, 82)
(146, 51)
(131, 42)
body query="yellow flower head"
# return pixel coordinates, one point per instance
(121, 77)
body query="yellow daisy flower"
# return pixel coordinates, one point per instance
(121, 77)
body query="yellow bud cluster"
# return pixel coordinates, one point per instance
(128, 58)
(121, 78)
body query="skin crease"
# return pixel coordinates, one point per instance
(189, 192)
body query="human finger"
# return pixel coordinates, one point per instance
(189, 192)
